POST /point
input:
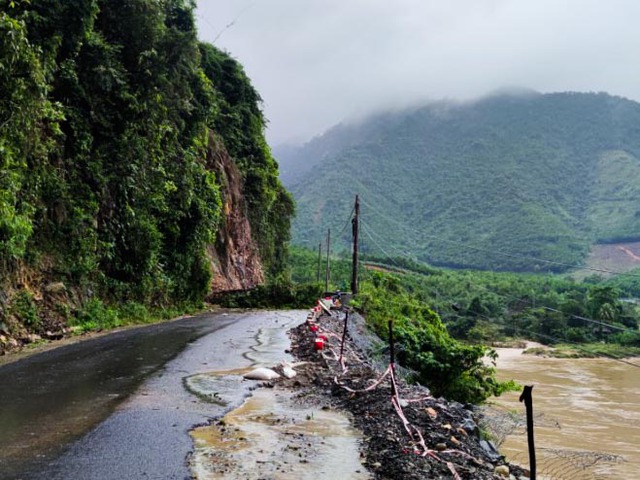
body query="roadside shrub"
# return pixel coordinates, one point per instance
(95, 315)
(24, 307)
(448, 367)
(280, 295)
(627, 339)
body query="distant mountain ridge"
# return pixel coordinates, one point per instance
(490, 184)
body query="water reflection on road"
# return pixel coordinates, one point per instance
(587, 415)
(270, 435)
(50, 399)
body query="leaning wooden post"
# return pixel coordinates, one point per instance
(355, 223)
(392, 357)
(527, 398)
(319, 261)
(344, 334)
(327, 272)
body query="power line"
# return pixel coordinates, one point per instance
(349, 218)
(497, 252)
(233, 22)
(550, 309)
(544, 307)
(577, 345)
(337, 237)
(507, 297)
(402, 254)
(366, 231)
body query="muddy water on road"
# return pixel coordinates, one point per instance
(269, 435)
(587, 415)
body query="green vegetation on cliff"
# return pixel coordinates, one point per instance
(493, 184)
(107, 110)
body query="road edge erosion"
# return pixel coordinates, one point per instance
(410, 433)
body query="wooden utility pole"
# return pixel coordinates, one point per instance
(344, 334)
(527, 398)
(392, 356)
(319, 261)
(327, 273)
(355, 222)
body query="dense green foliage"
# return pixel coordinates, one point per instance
(108, 110)
(241, 124)
(494, 184)
(484, 307)
(274, 295)
(628, 285)
(447, 366)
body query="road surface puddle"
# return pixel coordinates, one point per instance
(228, 388)
(271, 437)
(220, 388)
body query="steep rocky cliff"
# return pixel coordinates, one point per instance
(234, 257)
(118, 204)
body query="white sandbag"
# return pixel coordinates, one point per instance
(261, 374)
(287, 370)
(326, 305)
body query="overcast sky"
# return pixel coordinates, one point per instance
(318, 62)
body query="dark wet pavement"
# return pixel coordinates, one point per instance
(51, 399)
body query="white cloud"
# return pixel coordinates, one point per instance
(317, 62)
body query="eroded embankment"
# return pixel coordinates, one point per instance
(289, 430)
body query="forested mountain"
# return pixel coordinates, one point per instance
(131, 156)
(491, 184)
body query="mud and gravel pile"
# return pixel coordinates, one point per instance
(410, 435)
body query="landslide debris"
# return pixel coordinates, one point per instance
(437, 439)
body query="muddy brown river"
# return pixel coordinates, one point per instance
(587, 416)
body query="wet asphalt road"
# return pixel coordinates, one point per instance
(115, 407)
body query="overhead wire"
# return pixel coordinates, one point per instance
(233, 22)
(396, 250)
(550, 309)
(368, 231)
(349, 220)
(577, 345)
(496, 252)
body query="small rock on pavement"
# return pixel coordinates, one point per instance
(490, 449)
(502, 470)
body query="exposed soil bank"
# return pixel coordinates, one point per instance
(450, 447)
